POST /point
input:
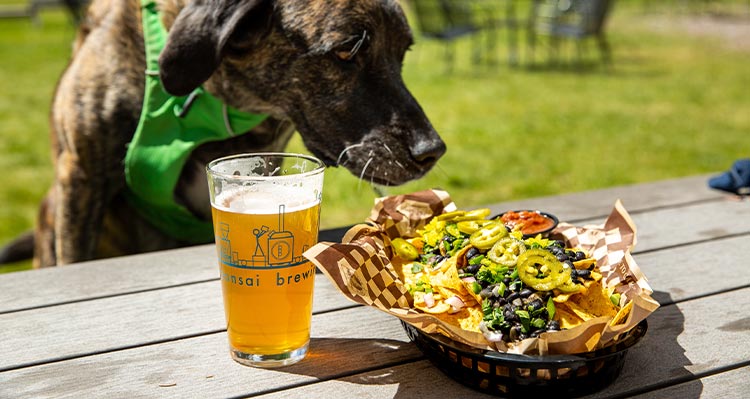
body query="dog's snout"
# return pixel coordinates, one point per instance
(428, 151)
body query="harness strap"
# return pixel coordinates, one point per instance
(169, 129)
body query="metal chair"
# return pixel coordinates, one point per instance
(447, 21)
(572, 19)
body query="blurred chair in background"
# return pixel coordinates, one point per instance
(576, 20)
(494, 15)
(447, 21)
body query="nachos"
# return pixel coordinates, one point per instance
(483, 276)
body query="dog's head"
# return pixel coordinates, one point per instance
(331, 66)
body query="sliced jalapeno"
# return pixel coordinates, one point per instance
(506, 251)
(404, 249)
(476, 214)
(540, 270)
(488, 235)
(569, 287)
(449, 216)
(470, 226)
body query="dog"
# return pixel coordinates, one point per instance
(329, 69)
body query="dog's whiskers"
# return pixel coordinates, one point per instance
(345, 150)
(362, 174)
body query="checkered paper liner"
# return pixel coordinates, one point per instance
(363, 267)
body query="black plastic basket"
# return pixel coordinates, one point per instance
(513, 375)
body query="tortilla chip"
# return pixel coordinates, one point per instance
(584, 263)
(468, 318)
(594, 304)
(566, 317)
(448, 277)
(440, 307)
(622, 315)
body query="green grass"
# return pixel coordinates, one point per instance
(671, 105)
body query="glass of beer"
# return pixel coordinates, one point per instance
(266, 209)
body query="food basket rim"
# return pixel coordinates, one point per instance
(628, 340)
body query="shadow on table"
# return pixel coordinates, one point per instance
(658, 361)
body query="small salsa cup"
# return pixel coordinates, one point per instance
(533, 222)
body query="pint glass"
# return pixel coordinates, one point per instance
(266, 208)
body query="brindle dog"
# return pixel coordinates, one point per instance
(303, 62)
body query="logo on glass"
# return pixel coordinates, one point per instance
(273, 248)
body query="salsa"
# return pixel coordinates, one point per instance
(528, 222)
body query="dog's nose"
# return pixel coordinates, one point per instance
(427, 152)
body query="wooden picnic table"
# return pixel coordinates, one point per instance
(152, 325)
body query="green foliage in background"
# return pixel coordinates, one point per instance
(673, 103)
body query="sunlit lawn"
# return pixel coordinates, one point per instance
(671, 104)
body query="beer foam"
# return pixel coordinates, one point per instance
(266, 199)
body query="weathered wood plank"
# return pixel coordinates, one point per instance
(124, 321)
(420, 379)
(347, 341)
(189, 265)
(637, 198)
(366, 348)
(679, 273)
(106, 277)
(734, 384)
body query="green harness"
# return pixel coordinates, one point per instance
(169, 129)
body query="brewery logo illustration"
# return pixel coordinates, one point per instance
(273, 248)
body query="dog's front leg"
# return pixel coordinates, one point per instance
(79, 209)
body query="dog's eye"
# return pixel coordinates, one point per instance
(349, 49)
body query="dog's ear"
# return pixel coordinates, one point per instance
(196, 40)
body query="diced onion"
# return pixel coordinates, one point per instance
(469, 279)
(491, 336)
(429, 300)
(456, 303)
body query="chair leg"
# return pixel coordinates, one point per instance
(449, 57)
(604, 48)
(512, 26)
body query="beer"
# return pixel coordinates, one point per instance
(262, 226)
(266, 282)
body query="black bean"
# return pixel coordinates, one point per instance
(525, 293)
(553, 325)
(515, 333)
(534, 305)
(512, 296)
(518, 303)
(536, 333)
(507, 281)
(472, 252)
(437, 259)
(569, 263)
(501, 301)
(583, 273)
(562, 257)
(580, 255)
(473, 269)
(486, 292)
